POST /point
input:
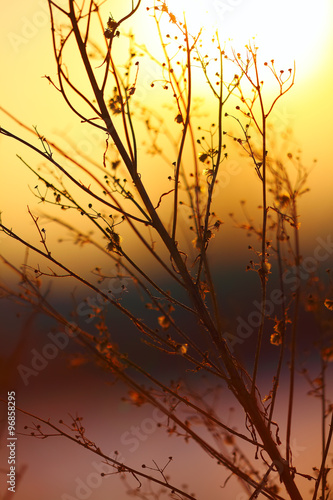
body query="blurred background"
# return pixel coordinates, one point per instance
(55, 469)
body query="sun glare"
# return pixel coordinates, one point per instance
(284, 30)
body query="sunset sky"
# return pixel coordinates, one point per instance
(284, 30)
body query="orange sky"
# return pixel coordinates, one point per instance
(26, 56)
(306, 110)
(303, 34)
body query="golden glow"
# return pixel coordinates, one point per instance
(299, 29)
(284, 30)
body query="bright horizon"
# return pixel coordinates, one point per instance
(71, 379)
(27, 53)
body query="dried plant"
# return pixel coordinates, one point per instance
(113, 197)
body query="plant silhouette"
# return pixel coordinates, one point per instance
(113, 194)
